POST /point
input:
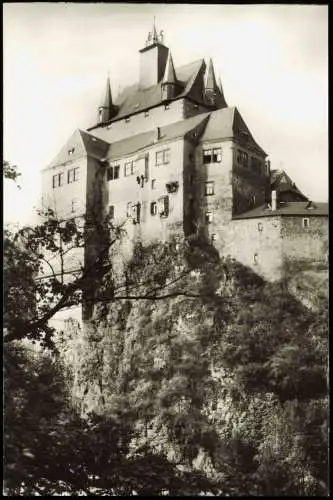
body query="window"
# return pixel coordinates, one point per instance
(212, 155)
(163, 157)
(172, 187)
(146, 113)
(195, 106)
(111, 211)
(112, 173)
(213, 237)
(166, 107)
(217, 155)
(260, 226)
(71, 151)
(163, 206)
(191, 157)
(207, 155)
(129, 168)
(127, 120)
(209, 188)
(209, 217)
(242, 158)
(153, 208)
(129, 209)
(153, 183)
(306, 223)
(136, 213)
(74, 204)
(255, 258)
(73, 175)
(58, 180)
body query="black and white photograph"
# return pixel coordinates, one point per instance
(165, 249)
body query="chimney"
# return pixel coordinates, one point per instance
(273, 201)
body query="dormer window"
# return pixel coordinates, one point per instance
(71, 151)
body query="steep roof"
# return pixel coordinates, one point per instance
(169, 73)
(169, 132)
(79, 144)
(281, 182)
(295, 208)
(227, 123)
(211, 80)
(134, 99)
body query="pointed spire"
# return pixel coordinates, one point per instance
(169, 73)
(211, 80)
(155, 35)
(106, 110)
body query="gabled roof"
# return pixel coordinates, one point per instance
(281, 182)
(134, 99)
(176, 130)
(169, 73)
(80, 144)
(227, 123)
(295, 208)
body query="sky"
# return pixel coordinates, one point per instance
(272, 60)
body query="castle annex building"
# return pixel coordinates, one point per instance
(168, 156)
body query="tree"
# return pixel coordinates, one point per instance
(10, 172)
(50, 450)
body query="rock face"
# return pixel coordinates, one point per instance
(200, 373)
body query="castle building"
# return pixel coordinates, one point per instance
(168, 156)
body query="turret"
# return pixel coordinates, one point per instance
(213, 92)
(170, 86)
(107, 110)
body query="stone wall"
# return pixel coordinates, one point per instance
(305, 243)
(257, 243)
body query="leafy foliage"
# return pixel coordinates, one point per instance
(213, 371)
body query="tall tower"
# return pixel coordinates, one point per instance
(153, 59)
